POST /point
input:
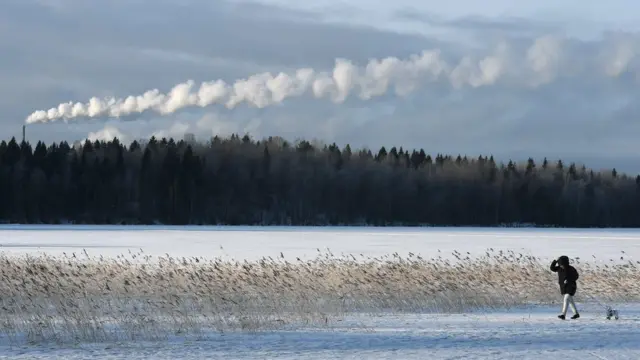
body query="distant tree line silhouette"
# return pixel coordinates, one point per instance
(240, 181)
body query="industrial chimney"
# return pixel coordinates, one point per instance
(24, 129)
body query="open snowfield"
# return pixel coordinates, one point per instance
(523, 334)
(529, 332)
(256, 242)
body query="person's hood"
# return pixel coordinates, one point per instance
(563, 260)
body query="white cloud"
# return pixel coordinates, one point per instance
(489, 86)
(176, 131)
(544, 58)
(542, 63)
(108, 133)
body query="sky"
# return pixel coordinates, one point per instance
(513, 79)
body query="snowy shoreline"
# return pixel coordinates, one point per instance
(528, 332)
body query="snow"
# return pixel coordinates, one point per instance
(255, 242)
(527, 333)
(522, 334)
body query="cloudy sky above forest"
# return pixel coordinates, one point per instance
(514, 79)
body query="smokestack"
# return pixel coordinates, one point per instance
(24, 127)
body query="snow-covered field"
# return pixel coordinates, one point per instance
(256, 242)
(527, 333)
(524, 334)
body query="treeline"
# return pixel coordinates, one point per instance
(238, 181)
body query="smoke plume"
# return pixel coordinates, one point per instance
(377, 78)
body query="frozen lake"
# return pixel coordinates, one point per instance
(255, 242)
(525, 333)
(520, 334)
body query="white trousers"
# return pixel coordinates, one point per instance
(568, 301)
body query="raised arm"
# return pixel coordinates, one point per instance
(554, 265)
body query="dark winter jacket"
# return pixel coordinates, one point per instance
(567, 275)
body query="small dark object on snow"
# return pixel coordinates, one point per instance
(612, 313)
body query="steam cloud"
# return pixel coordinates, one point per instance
(540, 62)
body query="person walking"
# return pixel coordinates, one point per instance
(567, 279)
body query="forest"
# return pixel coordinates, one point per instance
(241, 181)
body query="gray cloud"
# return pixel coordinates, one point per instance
(563, 97)
(475, 23)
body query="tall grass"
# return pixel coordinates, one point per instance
(80, 298)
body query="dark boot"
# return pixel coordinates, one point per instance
(576, 316)
(561, 317)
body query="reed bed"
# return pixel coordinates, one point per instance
(81, 298)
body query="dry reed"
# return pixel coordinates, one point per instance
(79, 298)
